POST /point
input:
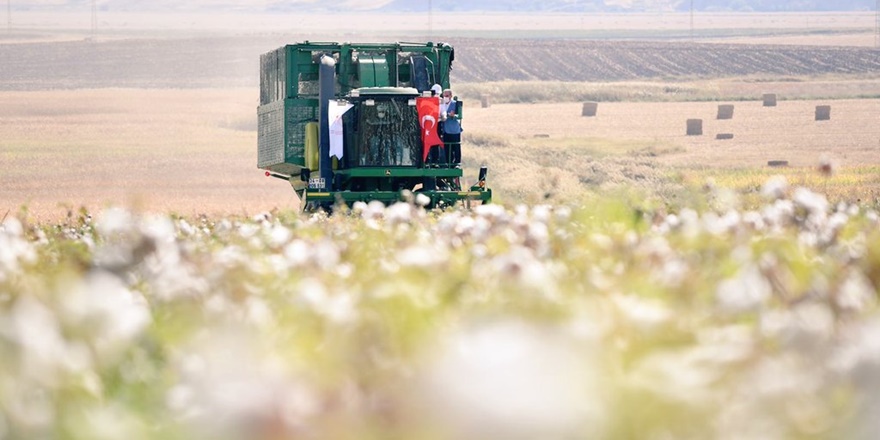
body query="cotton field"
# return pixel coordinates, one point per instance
(551, 322)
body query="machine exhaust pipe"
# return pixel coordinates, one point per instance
(326, 92)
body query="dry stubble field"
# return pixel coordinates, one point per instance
(169, 123)
(193, 151)
(184, 151)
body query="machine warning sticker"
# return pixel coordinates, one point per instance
(317, 183)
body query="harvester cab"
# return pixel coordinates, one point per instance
(342, 123)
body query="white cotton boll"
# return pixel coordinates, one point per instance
(258, 312)
(537, 237)
(107, 422)
(779, 214)
(11, 226)
(490, 211)
(602, 241)
(774, 188)
(375, 210)
(422, 255)
(562, 213)
(728, 344)
(107, 312)
(359, 207)
(835, 224)
(747, 291)
(730, 221)
(725, 199)
(297, 253)
(541, 213)
(114, 221)
(231, 256)
(36, 330)
(672, 221)
(399, 213)
(685, 376)
(262, 217)
(326, 254)
(645, 314)
(673, 272)
(857, 359)
(463, 225)
(813, 203)
(28, 406)
(513, 380)
(713, 224)
(520, 265)
(856, 293)
(338, 307)
(185, 229)
(217, 305)
(689, 220)
(238, 392)
(160, 229)
(14, 249)
(784, 377)
(279, 235)
(482, 229)
(422, 200)
(806, 328)
(754, 220)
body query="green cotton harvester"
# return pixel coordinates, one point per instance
(346, 122)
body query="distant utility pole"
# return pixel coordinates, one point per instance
(692, 19)
(431, 18)
(877, 25)
(94, 17)
(9, 16)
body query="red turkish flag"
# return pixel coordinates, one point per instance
(429, 114)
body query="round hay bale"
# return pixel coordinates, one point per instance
(823, 112)
(769, 100)
(777, 163)
(724, 136)
(590, 109)
(486, 101)
(725, 111)
(694, 127)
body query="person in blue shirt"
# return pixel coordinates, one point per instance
(451, 117)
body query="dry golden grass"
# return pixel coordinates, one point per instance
(194, 151)
(182, 151)
(645, 145)
(787, 132)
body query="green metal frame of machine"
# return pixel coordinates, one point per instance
(382, 149)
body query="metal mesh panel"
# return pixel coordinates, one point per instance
(308, 85)
(272, 76)
(297, 117)
(270, 138)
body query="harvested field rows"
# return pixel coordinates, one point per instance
(610, 61)
(233, 61)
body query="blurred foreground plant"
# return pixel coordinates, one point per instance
(603, 321)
